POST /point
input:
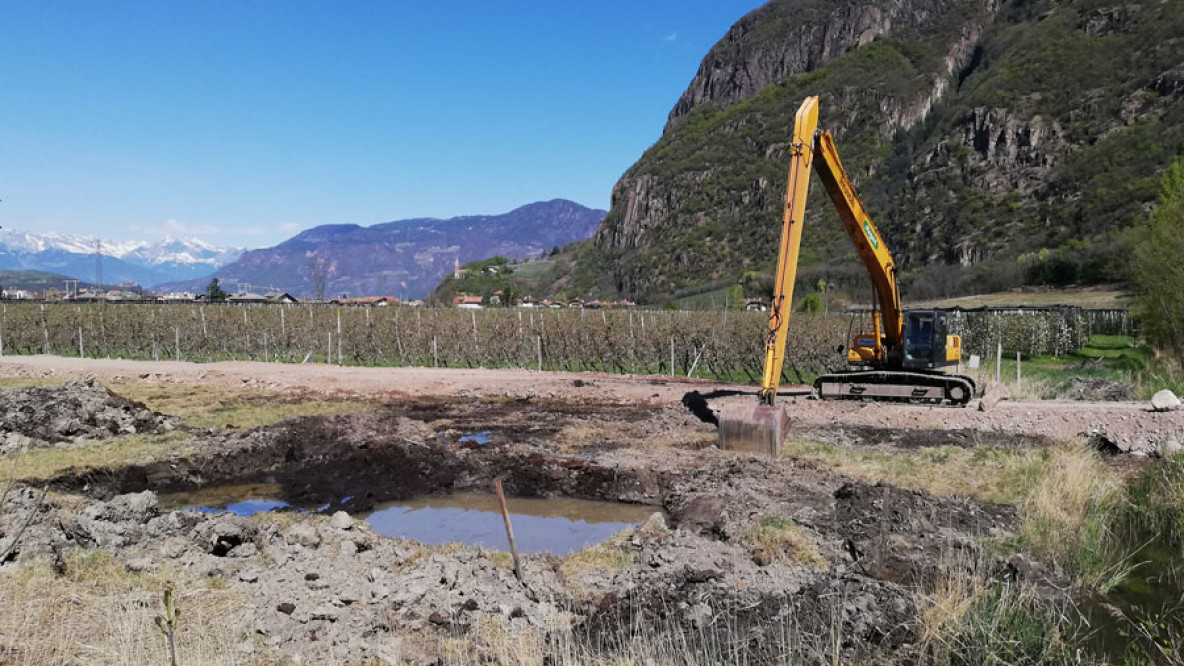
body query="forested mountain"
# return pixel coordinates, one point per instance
(405, 258)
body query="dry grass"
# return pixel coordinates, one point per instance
(40, 464)
(1067, 517)
(1085, 298)
(578, 438)
(969, 617)
(99, 613)
(983, 472)
(777, 539)
(214, 407)
(27, 382)
(636, 643)
(612, 555)
(1066, 494)
(945, 606)
(1034, 388)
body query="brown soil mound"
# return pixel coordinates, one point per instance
(77, 410)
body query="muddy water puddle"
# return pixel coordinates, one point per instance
(559, 526)
(240, 500)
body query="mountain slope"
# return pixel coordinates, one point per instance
(978, 132)
(406, 258)
(36, 281)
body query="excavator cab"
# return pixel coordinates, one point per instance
(928, 344)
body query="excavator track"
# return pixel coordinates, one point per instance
(896, 385)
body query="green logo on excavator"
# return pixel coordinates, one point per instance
(871, 235)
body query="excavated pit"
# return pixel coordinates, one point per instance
(398, 453)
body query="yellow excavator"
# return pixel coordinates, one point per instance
(901, 358)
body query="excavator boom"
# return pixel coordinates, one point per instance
(763, 427)
(871, 248)
(801, 157)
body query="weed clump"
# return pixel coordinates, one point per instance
(777, 539)
(1156, 502)
(1068, 517)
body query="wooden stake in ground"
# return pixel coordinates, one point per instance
(501, 498)
(167, 624)
(999, 362)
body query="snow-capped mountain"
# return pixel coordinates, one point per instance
(145, 262)
(183, 251)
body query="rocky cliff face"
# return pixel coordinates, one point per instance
(978, 132)
(785, 38)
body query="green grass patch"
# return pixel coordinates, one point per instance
(40, 464)
(214, 407)
(1115, 358)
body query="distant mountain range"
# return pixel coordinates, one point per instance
(406, 258)
(143, 262)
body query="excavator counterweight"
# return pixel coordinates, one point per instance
(900, 359)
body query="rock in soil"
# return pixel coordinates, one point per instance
(994, 393)
(1164, 401)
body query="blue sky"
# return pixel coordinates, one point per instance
(244, 122)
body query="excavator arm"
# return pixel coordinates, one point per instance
(801, 156)
(871, 248)
(817, 149)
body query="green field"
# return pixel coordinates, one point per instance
(1116, 358)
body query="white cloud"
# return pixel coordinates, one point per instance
(178, 227)
(289, 227)
(248, 231)
(672, 37)
(175, 228)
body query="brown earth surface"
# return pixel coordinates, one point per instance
(844, 559)
(1129, 426)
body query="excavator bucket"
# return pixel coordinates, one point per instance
(753, 429)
